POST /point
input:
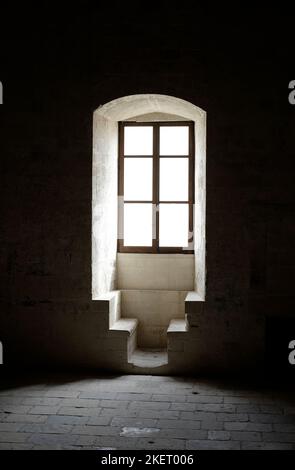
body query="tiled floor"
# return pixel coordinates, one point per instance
(143, 412)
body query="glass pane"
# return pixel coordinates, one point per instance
(138, 179)
(174, 225)
(174, 140)
(173, 179)
(138, 140)
(138, 221)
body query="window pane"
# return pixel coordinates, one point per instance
(174, 225)
(174, 140)
(174, 179)
(138, 140)
(138, 179)
(138, 220)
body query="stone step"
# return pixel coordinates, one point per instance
(149, 358)
(177, 326)
(125, 325)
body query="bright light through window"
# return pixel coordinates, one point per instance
(138, 224)
(173, 179)
(156, 181)
(138, 140)
(174, 140)
(138, 179)
(174, 225)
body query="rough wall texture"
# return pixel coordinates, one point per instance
(104, 205)
(54, 76)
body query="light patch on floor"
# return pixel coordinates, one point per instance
(138, 432)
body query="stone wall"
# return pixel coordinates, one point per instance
(55, 75)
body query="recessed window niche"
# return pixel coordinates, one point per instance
(148, 107)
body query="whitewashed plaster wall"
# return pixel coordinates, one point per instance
(154, 309)
(104, 202)
(104, 205)
(172, 272)
(153, 290)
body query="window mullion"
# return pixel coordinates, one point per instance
(156, 150)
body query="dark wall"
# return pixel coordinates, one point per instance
(56, 69)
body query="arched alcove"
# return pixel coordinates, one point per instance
(105, 178)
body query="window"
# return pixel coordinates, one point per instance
(156, 187)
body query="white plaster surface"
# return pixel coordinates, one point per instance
(154, 309)
(158, 292)
(105, 154)
(104, 205)
(155, 271)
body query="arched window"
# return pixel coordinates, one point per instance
(160, 113)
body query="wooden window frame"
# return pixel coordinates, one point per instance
(155, 248)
